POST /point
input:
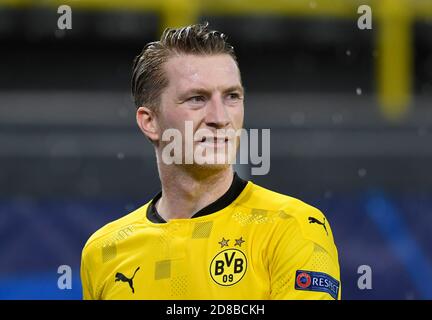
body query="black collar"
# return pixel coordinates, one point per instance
(233, 192)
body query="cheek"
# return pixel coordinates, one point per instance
(176, 119)
(237, 116)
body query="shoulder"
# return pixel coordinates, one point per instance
(114, 231)
(293, 214)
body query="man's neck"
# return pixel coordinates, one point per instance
(184, 193)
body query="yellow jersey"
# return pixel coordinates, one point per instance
(252, 243)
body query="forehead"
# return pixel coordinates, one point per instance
(208, 71)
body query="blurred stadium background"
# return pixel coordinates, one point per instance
(350, 113)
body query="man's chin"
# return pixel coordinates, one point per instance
(208, 166)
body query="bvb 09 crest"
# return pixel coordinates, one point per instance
(228, 267)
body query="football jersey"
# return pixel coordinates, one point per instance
(252, 243)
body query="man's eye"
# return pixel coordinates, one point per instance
(233, 96)
(196, 99)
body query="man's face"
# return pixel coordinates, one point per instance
(206, 93)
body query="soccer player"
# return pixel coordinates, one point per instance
(208, 234)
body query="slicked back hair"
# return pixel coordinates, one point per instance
(148, 76)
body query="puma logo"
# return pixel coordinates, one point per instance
(121, 277)
(314, 220)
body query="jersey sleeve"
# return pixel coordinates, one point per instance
(304, 264)
(86, 282)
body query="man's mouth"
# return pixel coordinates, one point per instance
(214, 141)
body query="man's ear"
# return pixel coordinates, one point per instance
(146, 120)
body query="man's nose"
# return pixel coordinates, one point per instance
(217, 113)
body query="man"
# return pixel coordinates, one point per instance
(208, 234)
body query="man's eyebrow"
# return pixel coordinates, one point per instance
(195, 91)
(205, 92)
(235, 88)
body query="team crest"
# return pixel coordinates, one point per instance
(229, 266)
